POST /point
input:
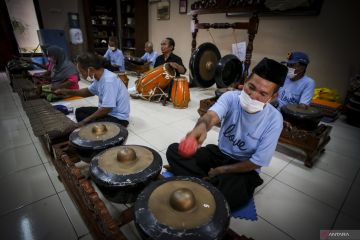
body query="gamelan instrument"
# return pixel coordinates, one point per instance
(47, 122)
(122, 172)
(185, 208)
(228, 71)
(304, 131)
(93, 138)
(136, 64)
(123, 77)
(352, 109)
(208, 67)
(203, 63)
(155, 80)
(302, 116)
(180, 94)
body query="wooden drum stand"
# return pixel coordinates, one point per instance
(311, 142)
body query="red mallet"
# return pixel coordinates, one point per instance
(188, 147)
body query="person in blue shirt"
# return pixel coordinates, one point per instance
(114, 103)
(250, 128)
(150, 55)
(298, 88)
(115, 56)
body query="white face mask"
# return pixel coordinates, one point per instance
(90, 79)
(112, 48)
(291, 73)
(250, 105)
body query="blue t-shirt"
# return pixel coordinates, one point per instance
(150, 57)
(113, 94)
(299, 91)
(116, 57)
(245, 136)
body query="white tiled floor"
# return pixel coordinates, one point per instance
(294, 202)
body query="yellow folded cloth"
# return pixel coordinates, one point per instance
(326, 94)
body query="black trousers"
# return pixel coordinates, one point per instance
(238, 188)
(83, 112)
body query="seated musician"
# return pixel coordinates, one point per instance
(62, 71)
(250, 128)
(114, 104)
(150, 55)
(298, 88)
(167, 48)
(115, 56)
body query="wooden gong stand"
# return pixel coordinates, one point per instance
(101, 223)
(251, 27)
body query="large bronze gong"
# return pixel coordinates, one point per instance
(302, 116)
(122, 172)
(95, 137)
(228, 70)
(181, 208)
(203, 63)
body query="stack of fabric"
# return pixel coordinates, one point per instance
(328, 101)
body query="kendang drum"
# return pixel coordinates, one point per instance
(185, 208)
(157, 78)
(122, 172)
(93, 138)
(180, 95)
(302, 116)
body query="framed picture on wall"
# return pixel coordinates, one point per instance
(163, 10)
(182, 6)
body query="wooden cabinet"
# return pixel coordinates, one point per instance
(125, 19)
(102, 22)
(134, 26)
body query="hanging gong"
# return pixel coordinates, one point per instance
(181, 208)
(95, 137)
(302, 116)
(203, 63)
(228, 70)
(122, 172)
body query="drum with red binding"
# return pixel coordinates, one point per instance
(180, 95)
(158, 77)
(185, 208)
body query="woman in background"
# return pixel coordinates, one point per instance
(63, 71)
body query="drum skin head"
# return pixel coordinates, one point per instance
(228, 70)
(203, 63)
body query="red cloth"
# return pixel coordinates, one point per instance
(74, 79)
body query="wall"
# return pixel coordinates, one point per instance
(55, 16)
(332, 39)
(24, 23)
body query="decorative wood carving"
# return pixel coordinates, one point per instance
(93, 210)
(311, 142)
